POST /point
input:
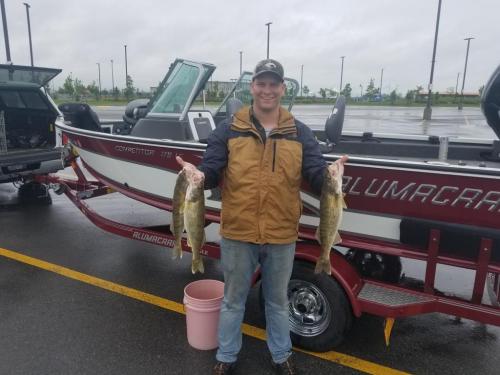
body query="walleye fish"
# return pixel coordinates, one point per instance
(194, 220)
(330, 207)
(177, 225)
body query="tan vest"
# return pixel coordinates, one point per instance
(261, 187)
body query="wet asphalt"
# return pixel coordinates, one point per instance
(50, 324)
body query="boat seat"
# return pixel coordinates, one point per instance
(335, 122)
(80, 115)
(161, 128)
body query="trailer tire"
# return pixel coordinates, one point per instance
(319, 312)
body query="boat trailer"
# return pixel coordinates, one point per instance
(361, 294)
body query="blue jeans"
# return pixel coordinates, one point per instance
(239, 262)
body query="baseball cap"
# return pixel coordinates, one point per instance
(269, 66)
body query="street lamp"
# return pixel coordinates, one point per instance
(428, 109)
(126, 70)
(301, 76)
(29, 30)
(5, 32)
(112, 78)
(99, 71)
(341, 73)
(268, 32)
(460, 104)
(241, 62)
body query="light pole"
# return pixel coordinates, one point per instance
(456, 87)
(360, 92)
(29, 30)
(5, 32)
(112, 78)
(428, 108)
(99, 72)
(268, 32)
(341, 73)
(301, 77)
(381, 77)
(461, 104)
(241, 62)
(126, 67)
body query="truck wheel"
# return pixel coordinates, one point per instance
(34, 193)
(319, 311)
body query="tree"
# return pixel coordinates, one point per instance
(116, 93)
(347, 90)
(410, 96)
(129, 89)
(79, 89)
(371, 91)
(481, 89)
(93, 90)
(305, 90)
(331, 93)
(393, 97)
(68, 87)
(436, 97)
(322, 92)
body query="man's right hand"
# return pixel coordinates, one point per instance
(190, 169)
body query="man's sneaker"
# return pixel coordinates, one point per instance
(223, 368)
(286, 368)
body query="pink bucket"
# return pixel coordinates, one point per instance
(202, 301)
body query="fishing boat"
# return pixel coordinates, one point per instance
(429, 198)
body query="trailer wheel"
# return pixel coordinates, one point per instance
(319, 311)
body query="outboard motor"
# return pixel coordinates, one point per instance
(335, 122)
(490, 105)
(135, 110)
(333, 126)
(80, 115)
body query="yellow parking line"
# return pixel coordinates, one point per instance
(339, 358)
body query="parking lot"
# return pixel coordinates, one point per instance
(77, 300)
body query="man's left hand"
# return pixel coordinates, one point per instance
(338, 166)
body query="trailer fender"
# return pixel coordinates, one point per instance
(342, 271)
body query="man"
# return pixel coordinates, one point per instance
(261, 156)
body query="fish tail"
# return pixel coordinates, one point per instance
(323, 265)
(197, 266)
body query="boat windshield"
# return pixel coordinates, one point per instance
(241, 91)
(177, 90)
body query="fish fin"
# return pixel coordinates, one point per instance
(323, 265)
(189, 242)
(337, 238)
(177, 252)
(317, 235)
(197, 266)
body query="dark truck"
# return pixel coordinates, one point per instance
(29, 143)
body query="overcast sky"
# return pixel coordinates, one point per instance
(396, 35)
